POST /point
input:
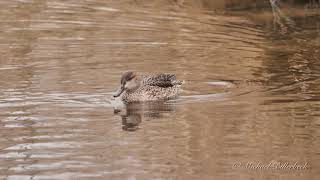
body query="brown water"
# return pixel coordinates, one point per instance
(251, 91)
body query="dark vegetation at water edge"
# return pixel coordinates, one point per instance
(261, 4)
(246, 4)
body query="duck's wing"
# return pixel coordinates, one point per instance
(161, 80)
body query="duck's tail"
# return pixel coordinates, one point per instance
(177, 82)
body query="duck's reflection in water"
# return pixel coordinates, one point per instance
(134, 113)
(131, 121)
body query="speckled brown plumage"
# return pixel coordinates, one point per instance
(150, 87)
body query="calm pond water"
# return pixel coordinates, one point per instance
(251, 91)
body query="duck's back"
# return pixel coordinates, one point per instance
(161, 80)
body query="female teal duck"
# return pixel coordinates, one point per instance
(136, 88)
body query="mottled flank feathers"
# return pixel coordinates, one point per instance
(161, 80)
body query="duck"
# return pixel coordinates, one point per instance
(154, 87)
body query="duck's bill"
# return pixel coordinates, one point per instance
(119, 92)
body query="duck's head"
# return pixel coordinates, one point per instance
(129, 81)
